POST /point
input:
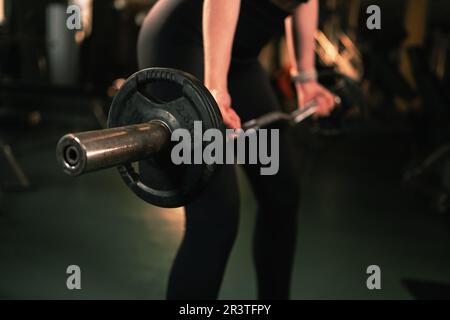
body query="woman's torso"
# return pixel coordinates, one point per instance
(181, 20)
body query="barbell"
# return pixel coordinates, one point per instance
(138, 138)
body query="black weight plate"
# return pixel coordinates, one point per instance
(157, 180)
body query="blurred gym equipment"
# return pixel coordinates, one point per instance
(425, 68)
(21, 182)
(335, 47)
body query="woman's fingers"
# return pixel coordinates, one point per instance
(323, 109)
(223, 99)
(233, 119)
(330, 100)
(230, 118)
(326, 101)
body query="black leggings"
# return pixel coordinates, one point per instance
(171, 37)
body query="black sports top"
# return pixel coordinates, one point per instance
(259, 21)
(288, 5)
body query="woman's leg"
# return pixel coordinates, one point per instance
(212, 219)
(277, 195)
(211, 228)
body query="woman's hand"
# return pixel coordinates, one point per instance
(230, 117)
(312, 90)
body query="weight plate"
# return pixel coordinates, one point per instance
(177, 99)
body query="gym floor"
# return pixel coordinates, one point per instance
(355, 213)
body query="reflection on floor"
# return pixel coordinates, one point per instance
(355, 213)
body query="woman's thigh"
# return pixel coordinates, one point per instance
(171, 37)
(253, 96)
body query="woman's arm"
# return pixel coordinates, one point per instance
(301, 28)
(219, 25)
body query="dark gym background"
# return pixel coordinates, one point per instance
(376, 176)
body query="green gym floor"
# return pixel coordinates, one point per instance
(355, 213)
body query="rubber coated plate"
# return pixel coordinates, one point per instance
(177, 99)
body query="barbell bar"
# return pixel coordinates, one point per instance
(140, 128)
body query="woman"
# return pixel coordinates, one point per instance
(219, 41)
